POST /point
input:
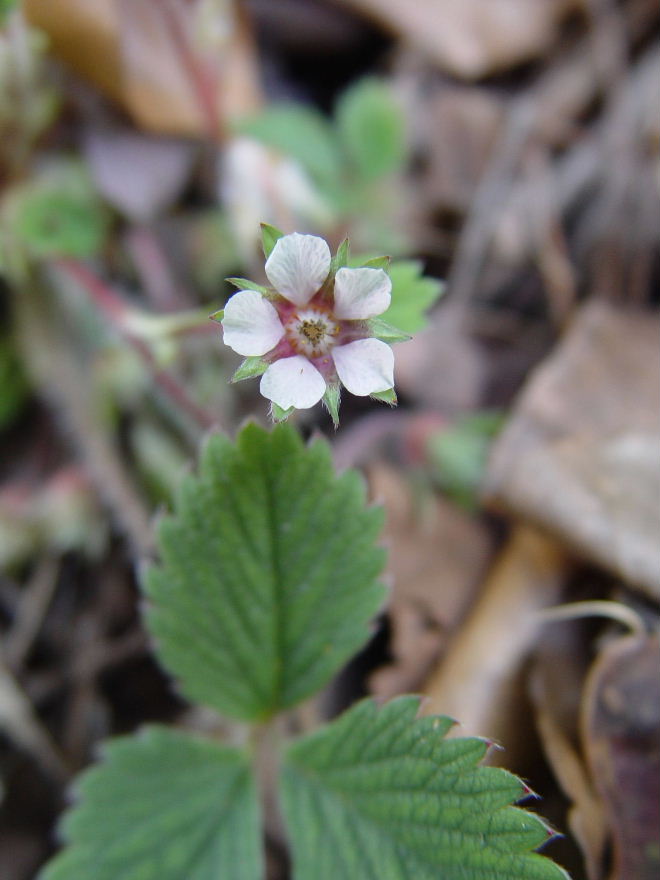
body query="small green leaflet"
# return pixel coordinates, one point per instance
(382, 795)
(270, 235)
(163, 806)
(388, 396)
(382, 330)
(331, 399)
(268, 576)
(371, 126)
(302, 133)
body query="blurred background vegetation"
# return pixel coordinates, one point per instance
(506, 147)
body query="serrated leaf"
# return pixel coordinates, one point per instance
(382, 330)
(412, 294)
(268, 574)
(246, 284)
(163, 806)
(301, 133)
(251, 367)
(388, 396)
(372, 129)
(382, 795)
(270, 235)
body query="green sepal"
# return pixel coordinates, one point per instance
(388, 396)
(270, 235)
(331, 399)
(246, 284)
(340, 259)
(377, 263)
(217, 316)
(279, 414)
(250, 368)
(380, 329)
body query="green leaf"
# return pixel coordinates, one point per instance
(270, 235)
(382, 330)
(332, 399)
(340, 259)
(381, 795)
(388, 396)
(301, 133)
(372, 129)
(58, 213)
(412, 295)
(251, 367)
(245, 283)
(217, 316)
(163, 806)
(268, 574)
(458, 455)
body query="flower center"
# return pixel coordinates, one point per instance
(312, 332)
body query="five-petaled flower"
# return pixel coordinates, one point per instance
(312, 330)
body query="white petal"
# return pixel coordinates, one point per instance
(250, 324)
(365, 366)
(361, 293)
(293, 382)
(298, 266)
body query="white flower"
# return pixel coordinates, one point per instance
(312, 334)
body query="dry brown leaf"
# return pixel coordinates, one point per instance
(480, 680)
(621, 735)
(436, 557)
(580, 455)
(177, 67)
(472, 38)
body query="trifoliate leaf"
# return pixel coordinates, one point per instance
(251, 367)
(382, 330)
(270, 235)
(412, 294)
(246, 284)
(268, 574)
(163, 806)
(301, 133)
(372, 129)
(388, 396)
(381, 795)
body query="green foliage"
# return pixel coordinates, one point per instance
(412, 294)
(388, 396)
(56, 214)
(267, 581)
(371, 127)
(381, 795)
(382, 330)
(163, 806)
(6, 7)
(332, 399)
(13, 384)
(458, 455)
(302, 133)
(246, 284)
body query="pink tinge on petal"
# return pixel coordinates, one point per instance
(361, 293)
(250, 324)
(293, 382)
(298, 266)
(365, 366)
